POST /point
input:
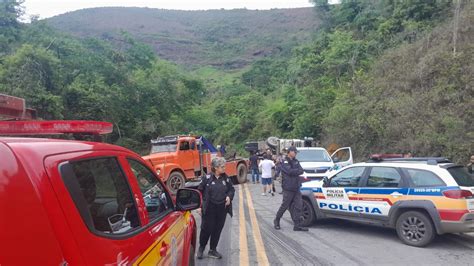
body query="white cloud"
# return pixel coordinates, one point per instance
(49, 8)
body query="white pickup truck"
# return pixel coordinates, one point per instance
(317, 163)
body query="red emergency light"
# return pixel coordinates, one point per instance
(55, 127)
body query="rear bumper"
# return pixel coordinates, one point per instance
(465, 224)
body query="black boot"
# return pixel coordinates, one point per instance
(299, 228)
(276, 224)
(214, 254)
(200, 252)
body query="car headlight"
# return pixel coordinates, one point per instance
(158, 171)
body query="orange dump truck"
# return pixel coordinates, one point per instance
(178, 159)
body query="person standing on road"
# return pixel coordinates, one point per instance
(470, 165)
(291, 171)
(266, 165)
(218, 192)
(254, 167)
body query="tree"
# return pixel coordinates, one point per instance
(10, 12)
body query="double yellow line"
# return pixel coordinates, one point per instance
(257, 237)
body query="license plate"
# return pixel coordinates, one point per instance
(470, 204)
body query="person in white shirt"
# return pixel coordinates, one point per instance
(266, 167)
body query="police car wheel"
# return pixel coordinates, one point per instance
(175, 181)
(414, 228)
(307, 213)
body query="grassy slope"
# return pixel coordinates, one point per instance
(226, 39)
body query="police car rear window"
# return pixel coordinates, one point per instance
(422, 178)
(462, 176)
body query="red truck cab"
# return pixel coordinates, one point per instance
(66, 202)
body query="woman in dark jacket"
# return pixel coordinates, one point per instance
(217, 191)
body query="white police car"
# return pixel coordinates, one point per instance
(419, 197)
(317, 163)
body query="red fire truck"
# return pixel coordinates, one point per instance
(67, 202)
(177, 159)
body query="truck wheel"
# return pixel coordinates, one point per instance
(175, 181)
(307, 213)
(241, 173)
(414, 228)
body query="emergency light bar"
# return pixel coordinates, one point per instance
(54, 127)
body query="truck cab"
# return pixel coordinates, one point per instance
(69, 202)
(88, 203)
(178, 159)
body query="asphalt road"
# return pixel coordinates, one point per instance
(248, 238)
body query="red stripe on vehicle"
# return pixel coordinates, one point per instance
(319, 197)
(372, 199)
(450, 215)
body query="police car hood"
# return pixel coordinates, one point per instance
(312, 184)
(316, 165)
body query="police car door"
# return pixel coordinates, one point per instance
(342, 157)
(164, 226)
(382, 187)
(341, 192)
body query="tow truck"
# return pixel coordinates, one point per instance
(179, 159)
(68, 202)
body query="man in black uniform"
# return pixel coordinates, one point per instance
(217, 191)
(291, 171)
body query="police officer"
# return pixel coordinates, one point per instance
(218, 191)
(291, 171)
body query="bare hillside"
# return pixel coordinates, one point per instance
(227, 39)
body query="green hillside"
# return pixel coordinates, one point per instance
(225, 39)
(376, 75)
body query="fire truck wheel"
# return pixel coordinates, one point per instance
(175, 182)
(241, 173)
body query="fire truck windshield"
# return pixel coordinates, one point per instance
(163, 147)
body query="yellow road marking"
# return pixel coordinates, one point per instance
(244, 253)
(260, 248)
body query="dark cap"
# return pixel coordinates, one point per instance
(292, 149)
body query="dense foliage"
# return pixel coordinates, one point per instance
(380, 76)
(67, 78)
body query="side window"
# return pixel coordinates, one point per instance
(156, 199)
(184, 146)
(102, 195)
(347, 178)
(383, 177)
(422, 178)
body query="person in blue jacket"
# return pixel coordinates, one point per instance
(291, 183)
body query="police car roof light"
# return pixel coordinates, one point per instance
(54, 127)
(427, 160)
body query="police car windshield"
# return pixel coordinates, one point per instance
(462, 177)
(163, 147)
(313, 156)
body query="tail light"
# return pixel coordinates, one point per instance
(457, 194)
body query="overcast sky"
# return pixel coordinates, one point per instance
(49, 8)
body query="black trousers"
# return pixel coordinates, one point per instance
(212, 223)
(293, 201)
